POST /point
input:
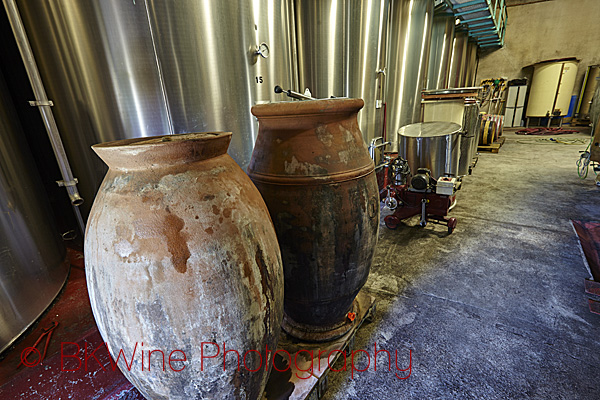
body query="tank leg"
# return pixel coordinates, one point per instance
(451, 224)
(423, 212)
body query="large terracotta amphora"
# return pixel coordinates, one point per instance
(180, 250)
(313, 169)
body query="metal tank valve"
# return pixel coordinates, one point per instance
(292, 94)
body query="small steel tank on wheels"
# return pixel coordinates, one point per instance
(432, 145)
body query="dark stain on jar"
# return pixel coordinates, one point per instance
(176, 242)
(266, 284)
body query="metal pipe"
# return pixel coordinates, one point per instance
(41, 101)
(374, 146)
(292, 94)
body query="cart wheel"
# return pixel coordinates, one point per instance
(391, 222)
(451, 225)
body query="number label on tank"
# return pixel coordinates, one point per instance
(259, 79)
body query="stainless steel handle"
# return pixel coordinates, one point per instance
(380, 75)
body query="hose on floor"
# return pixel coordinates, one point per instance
(546, 140)
(583, 162)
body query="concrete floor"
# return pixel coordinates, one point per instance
(496, 310)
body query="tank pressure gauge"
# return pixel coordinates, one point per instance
(263, 50)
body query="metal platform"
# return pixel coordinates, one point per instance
(485, 20)
(292, 380)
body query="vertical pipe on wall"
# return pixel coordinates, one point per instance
(44, 106)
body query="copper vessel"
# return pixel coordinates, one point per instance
(180, 250)
(313, 169)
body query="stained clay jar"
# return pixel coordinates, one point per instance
(313, 169)
(180, 250)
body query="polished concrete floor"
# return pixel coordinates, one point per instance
(497, 309)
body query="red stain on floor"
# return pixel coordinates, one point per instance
(51, 379)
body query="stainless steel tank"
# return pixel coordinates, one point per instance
(32, 254)
(341, 53)
(442, 38)
(124, 69)
(477, 128)
(409, 39)
(470, 136)
(470, 64)
(458, 60)
(451, 105)
(433, 145)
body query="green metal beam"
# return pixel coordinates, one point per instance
(471, 3)
(475, 10)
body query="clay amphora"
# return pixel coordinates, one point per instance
(313, 169)
(180, 250)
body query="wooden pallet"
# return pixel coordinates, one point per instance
(449, 96)
(297, 384)
(494, 147)
(580, 122)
